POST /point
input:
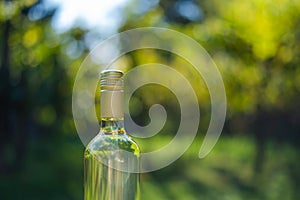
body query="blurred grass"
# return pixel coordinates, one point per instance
(54, 170)
(227, 173)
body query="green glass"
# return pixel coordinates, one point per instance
(111, 162)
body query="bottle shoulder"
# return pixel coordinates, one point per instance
(112, 142)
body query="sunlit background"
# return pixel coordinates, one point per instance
(255, 44)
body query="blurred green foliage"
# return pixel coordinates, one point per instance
(256, 45)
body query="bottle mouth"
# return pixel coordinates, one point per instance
(111, 79)
(113, 73)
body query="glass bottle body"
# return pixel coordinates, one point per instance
(111, 161)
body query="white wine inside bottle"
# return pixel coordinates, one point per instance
(111, 159)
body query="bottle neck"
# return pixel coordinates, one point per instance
(112, 126)
(112, 112)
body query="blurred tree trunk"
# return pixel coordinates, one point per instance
(5, 134)
(12, 116)
(260, 141)
(278, 126)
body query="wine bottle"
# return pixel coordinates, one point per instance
(111, 159)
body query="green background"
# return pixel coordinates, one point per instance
(256, 46)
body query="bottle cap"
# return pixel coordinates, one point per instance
(111, 79)
(111, 98)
